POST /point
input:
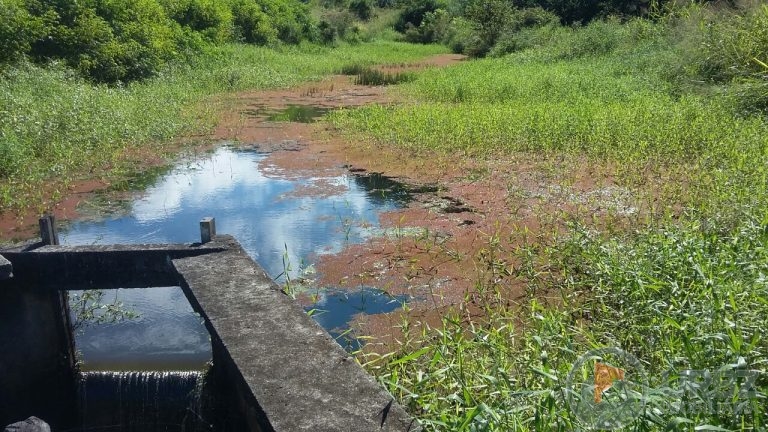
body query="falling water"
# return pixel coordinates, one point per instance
(142, 401)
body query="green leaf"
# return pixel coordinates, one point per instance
(411, 356)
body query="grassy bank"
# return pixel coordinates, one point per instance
(56, 128)
(682, 287)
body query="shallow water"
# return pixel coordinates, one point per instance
(283, 223)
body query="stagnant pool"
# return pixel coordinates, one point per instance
(283, 222)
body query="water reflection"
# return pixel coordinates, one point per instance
(166, 332)
(337, 307)
(278, 225)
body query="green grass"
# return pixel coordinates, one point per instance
(602, 108)
(56, 128)
(685, 289)
(375, 77)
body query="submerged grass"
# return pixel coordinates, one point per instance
(56, 128)
(684, 290)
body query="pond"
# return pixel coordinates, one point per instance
(283, 223)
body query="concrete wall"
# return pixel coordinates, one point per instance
(277, 370)
(36, 359)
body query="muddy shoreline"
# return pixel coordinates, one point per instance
(429, 250)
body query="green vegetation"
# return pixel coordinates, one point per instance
(674, 111)
(56, 127)
(473, 27)
(671, 105)
(112, 41)
(366, 75)
(376, 77)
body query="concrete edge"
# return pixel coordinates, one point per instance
(6, 268)
(298, 376)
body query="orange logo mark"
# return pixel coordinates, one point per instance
(604, 377)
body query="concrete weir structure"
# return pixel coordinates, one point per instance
(278, 370)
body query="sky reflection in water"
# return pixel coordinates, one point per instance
(273, 222)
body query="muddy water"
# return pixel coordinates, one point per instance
(283, 223)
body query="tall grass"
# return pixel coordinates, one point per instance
(681, 299)
(55, 127)
(684, 291)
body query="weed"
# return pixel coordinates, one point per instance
(376, 77)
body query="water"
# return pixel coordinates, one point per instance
(278, 221)
(337, 307)
(141, 401)
(167, 334)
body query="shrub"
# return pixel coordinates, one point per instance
(337, 24)
(327, 32)
(362, 8)
(18, 30)
(523, 30)
(290, 18)
(414, 13)
(144, 39)
(105, 40)
(597, 38)
(252, 25)
(460, 35)
(211, 18)
(434, 28)
(725, 46)
(488, 18)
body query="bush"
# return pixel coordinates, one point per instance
(362, 8)
(18, 30)
(211, 18)
(460, 35)
(434, 28)
(413, 13)
(723, 47)
(337, 24)
(252, 25)
(488, 18)
(290, 18)
(144, 39)
(523, 30)
(597, 38)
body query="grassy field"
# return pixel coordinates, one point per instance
(682, 288)
(56, 128)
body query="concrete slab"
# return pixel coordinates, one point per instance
(6, 269)
(101, 266)
(299, 377)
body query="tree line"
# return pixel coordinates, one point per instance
(123, 40)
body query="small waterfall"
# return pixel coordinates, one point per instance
(144, 401)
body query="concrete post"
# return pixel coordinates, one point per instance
(48, 232)
(207, 229)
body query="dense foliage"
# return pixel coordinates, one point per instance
(111, 40)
